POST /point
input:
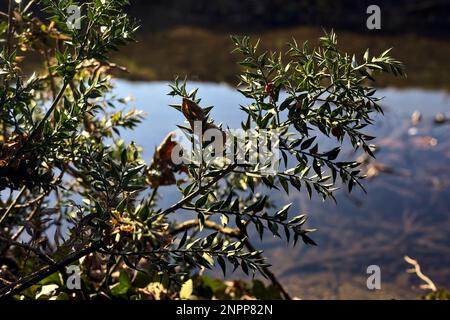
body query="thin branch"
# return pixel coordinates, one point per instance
(268, 272)
(25, 246)
(417, 270)
(235, 233)
(105, 280)
(31, 202)
(10, 28)
(52, 78)
(191, 196)
(12, 205)
(234, 213)
(163, 251)
(28, 6)
(29, 218)
(153, 195)
(80, 67)
(208, 224)
(40, 126)
(28, 281)
(38, 201)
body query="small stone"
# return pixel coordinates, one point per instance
(439, 118)
(412, 131)
(415, 118)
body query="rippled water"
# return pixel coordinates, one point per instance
(406, 210)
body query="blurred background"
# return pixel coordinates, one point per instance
(407, 208)
(191, 37)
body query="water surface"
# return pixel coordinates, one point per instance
(406, 210)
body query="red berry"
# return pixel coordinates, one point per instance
(268, 88)
(337, 132)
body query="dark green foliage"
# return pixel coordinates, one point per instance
(85, 200)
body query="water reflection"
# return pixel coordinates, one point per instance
(406, 211)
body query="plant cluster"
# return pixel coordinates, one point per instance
(73, 193)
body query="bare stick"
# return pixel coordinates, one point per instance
(235, 233)
(12, 205)
(429, 284)
(10, 27)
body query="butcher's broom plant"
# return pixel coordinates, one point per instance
(77, 201)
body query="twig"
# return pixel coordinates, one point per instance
(191, 196)
(235, 213)
(208, 224)
(235, 233)
(429, 283)
(161, 251)
(52, 78)
(80, 67)
(268, 272)
(109, 273)
(28, 6)
(40, 126)
(10, 27)
(153, 195)
(25, 246)
(26, 282)
(12, 205)
(31, 202)
(29, 218)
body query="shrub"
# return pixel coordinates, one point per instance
(73, 193)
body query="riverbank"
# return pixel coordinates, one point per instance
(204, 55)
